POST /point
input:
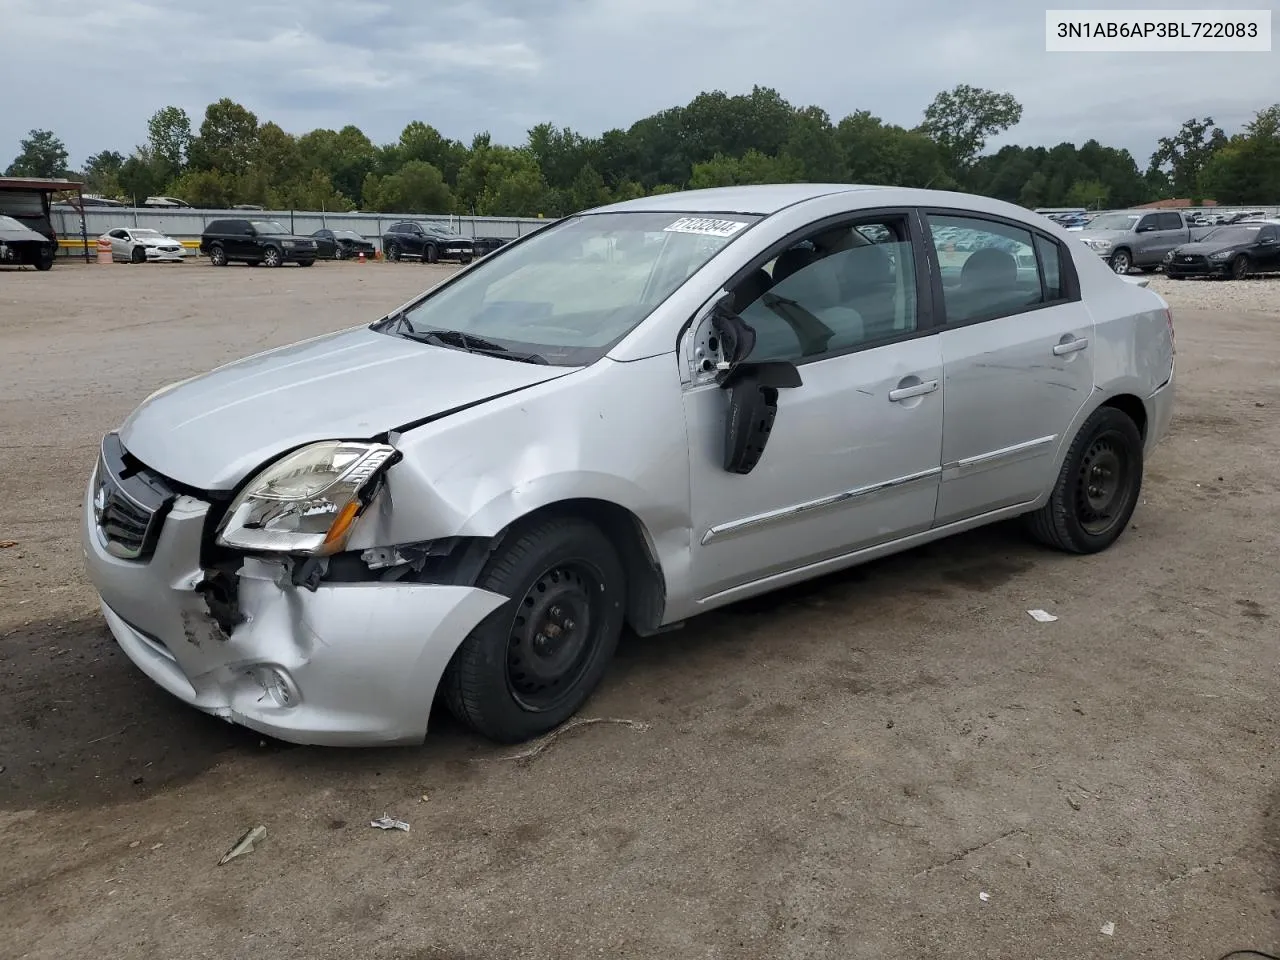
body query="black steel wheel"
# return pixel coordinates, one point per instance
(1097, 488)
(533, 662)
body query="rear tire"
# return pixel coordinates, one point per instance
(1097, 488)
(393, 251)
(217, 255)
(534, 661)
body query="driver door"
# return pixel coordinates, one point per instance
(853, 458)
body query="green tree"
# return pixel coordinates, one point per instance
(1090, 194)
(141, 176)
(417, 187)
(880, 153)
(961, 120)
(813, 148)
(277, 156)
(102, 173)
(588, 190)
(205, 188)
(316, 192)
(752, 167)
(420, 141)
(228, 138)
(41, 154)
(1247, 168)
(169, 136)
(1184, 155)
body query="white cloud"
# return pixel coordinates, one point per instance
(502, 65)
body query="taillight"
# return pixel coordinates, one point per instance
(1173, 340)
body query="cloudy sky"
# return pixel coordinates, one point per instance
(94, 72)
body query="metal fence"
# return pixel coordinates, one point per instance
(187, 225)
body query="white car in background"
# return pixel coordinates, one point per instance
(143, 245)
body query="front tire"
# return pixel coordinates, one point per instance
(1121, 261)
(271, 257)
(138, 255)
(533, 662)
(1240, 267)
(431, 254)
(1097, 488)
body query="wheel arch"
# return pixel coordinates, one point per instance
(646, 584)
(1123, 397)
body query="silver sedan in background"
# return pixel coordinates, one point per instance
(632, 416)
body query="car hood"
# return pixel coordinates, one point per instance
(1112, 235)
(20, 233)
(1200, 249)
(212, 431)
(158, 242)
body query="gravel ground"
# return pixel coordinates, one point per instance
(839, 770)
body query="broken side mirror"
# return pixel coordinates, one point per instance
(752, 387)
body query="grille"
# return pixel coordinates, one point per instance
(129, 503)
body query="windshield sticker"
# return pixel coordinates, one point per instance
(705, 226)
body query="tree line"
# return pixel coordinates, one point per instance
(714, 140)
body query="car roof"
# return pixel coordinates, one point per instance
(768, 199)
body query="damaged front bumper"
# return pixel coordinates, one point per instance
(348, 664)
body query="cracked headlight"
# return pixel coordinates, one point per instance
(308, 501)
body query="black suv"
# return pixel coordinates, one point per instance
(254, 242)
(433, 242)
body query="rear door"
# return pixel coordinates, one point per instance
(1017, 355)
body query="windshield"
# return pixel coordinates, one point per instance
(1113, 221)
(268, 227)
(571, 291)
(347, 235)
(1238, 234)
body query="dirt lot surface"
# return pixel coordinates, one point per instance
(834, 771)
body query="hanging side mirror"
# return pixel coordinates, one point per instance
(752, 389)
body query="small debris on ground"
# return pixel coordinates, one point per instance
(1108, 929)
(550, 738)
(389, 823)
(424, 799)
(245, 844)
(1073, 803)
(1042, 616)
(984, 896)
(6, 544)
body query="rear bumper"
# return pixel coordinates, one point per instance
(1160, 410)
(350, 664)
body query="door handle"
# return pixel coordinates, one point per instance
(1071, 346)
(917, 390)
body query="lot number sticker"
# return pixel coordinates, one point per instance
(706, 227)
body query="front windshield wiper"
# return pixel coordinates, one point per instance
(468, 342)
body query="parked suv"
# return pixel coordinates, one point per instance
(254, 242)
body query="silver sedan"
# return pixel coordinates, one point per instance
(143, 245)
(630, 417)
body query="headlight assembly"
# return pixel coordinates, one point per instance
(1221, 255)
(307, 502)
